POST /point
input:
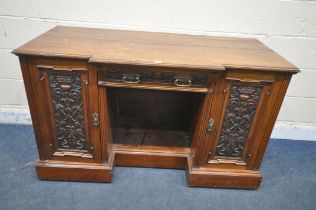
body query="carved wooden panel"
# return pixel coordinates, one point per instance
(239, 113)
(66, 95)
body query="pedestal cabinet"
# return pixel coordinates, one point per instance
(100, 98)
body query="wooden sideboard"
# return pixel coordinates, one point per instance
(100, 98)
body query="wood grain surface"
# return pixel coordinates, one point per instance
(156, 49)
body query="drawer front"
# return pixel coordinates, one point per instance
(134, 75)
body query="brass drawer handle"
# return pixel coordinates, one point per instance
(131, 78)
(183, 82)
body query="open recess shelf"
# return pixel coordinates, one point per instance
(151, 119)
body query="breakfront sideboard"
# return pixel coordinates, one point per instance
(100, 98)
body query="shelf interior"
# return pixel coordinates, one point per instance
(153, 117)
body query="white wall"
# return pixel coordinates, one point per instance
(287, 26)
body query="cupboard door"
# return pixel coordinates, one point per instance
(65, 95)
(243, 104)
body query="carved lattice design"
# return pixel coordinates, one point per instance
(240, 110)
(66, 94)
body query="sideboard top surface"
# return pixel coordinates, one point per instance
(156, 49)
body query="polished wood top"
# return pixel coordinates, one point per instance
(156, 49)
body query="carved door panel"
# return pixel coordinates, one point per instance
(234, 134)
(65, 93)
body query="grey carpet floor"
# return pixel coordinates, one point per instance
(289, 182)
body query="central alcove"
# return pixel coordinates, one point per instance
(153, 117)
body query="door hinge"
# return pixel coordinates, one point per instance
(209, 156)
(96, 120)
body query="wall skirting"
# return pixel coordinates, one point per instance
(281, 130)
(15, 116)
(292, 131)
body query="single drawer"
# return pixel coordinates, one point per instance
(152, 76)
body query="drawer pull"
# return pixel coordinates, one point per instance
(131, 78)
(183, 82)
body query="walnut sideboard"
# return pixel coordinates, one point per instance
(100, 98)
